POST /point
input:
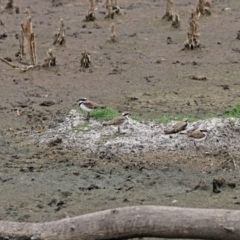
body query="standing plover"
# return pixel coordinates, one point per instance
(118, 121)
(88, 106)
(179, 126)
(197, 135)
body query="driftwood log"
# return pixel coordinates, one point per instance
(129, 222)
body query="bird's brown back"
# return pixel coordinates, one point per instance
(196, 134)
(93, 105)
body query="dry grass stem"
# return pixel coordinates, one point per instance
(113, 37)
(90, 16)
(85, 60)
(203, 7)
(192, 41)
(60, 35)
(51, 60)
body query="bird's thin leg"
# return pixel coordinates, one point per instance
(196, 145)
(88, 116)
(118, 129)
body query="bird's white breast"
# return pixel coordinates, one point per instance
(84, 108)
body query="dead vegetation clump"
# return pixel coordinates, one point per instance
(9, 4)
(60, 35)
(110, 12)
(112, 9)
(113, 37)
(85, 60)
(171, 14)
(176, 20)
(203, 7)
(90, 16)
(115, 7)
(27, 40)
(28, 50)
(192, 41)
(51, 60)
(238, 35)
(10, 7)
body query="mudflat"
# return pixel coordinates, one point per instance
(143, 73)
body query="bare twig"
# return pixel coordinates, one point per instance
(8, 63)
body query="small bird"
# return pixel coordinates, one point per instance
(197, 135)
(88, 106)
(118, 121)
(179, 126)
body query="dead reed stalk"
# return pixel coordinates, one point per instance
(171, 14)
(110, 12)
(90, 16)
(60, 35)
(203, 7)
(169, 10)
(85, 61)
(192, 41)
(112, 9)
(27, 42)
(28, 47)
(113, 37)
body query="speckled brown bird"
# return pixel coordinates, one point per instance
(178, 127)
(118, 121)
(197, 135)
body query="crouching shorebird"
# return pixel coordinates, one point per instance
(197, 135)
(118, 121)
(178, 127)
(88, 106)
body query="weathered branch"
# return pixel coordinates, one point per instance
(8, 63)
(130, 222)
